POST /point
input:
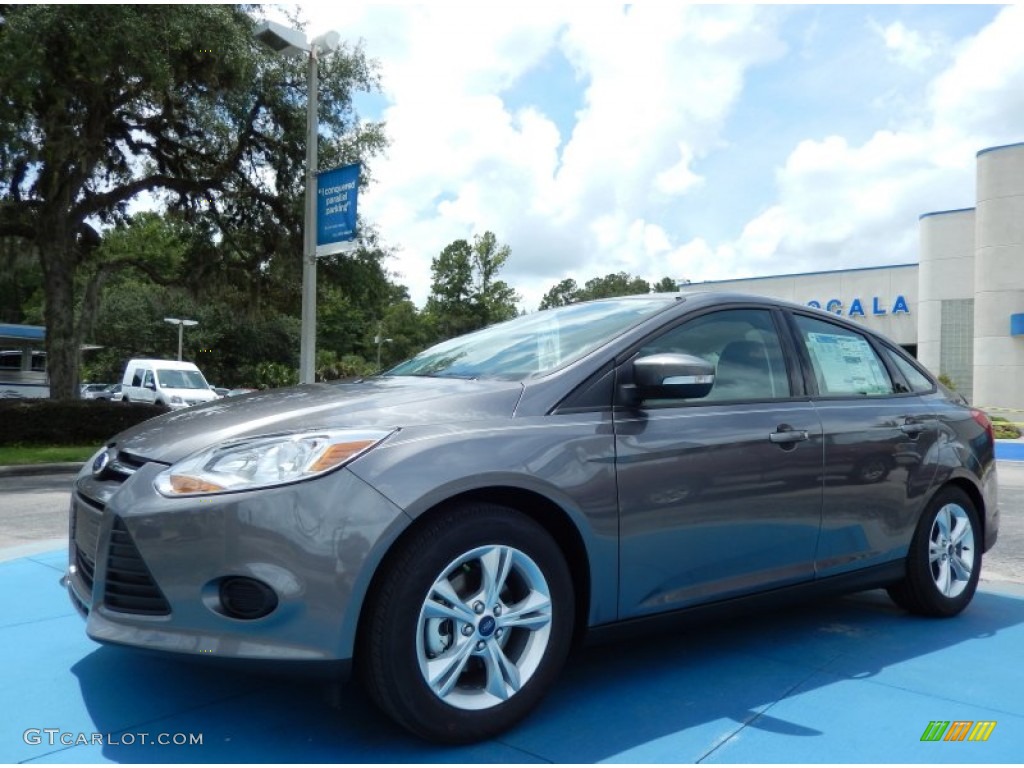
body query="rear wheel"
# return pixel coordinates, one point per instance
(470, 624)
(944, 562)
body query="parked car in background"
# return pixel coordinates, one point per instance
(92, 391)
(112, 393)
(240, 391)
(450, 528)
(220, 391)
(171, 383)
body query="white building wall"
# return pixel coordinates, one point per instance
(876, 288)
(999, 278)
(946, 276)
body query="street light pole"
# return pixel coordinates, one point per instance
(291, 42)
(307, 340)
(380, 341)
(181, 329)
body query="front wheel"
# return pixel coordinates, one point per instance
(469, 625)
(944, 562)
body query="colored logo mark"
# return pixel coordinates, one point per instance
(958, 730)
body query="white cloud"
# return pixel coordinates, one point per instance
(842, 205)
(659, 82)
(660, 79)
(906, 46)
(981, 94)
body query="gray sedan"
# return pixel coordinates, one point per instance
(449, 529)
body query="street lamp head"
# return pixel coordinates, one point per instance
(327, 42)
(181, 328)
(281, 39)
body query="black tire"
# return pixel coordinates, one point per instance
(399, 639)
(937, 582)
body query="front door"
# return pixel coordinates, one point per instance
(722, 495)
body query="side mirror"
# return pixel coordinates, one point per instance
(669, 375)
(151, 385)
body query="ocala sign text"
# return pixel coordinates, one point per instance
(835, 306)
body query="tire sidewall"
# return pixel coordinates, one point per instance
(489, 526)
(920, 567)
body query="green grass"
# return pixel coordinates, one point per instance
(44, 454)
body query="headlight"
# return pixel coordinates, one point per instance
(261, 462)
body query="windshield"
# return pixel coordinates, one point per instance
(181, 380)
(532, 345)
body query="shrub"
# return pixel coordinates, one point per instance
(1004, 429)
(68, 422)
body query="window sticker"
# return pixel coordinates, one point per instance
(848, 364)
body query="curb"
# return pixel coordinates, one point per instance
(57, 468)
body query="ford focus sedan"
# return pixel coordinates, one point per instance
(448, 530)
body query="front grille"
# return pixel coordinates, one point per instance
(85, 533)
(129, 585)
(86, 567)
(122, 466)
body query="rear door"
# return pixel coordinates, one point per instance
(719, 496)
(878, 438)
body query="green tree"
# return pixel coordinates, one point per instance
(450, 303)
(496, 299)
(617, 284)
(103, 103)
(566, 292)
(609, 286)
(464, 293)
(408, 332)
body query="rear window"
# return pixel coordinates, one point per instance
(918, 381)
(844, 362)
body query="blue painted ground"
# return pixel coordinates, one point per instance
(1010, 450)
(846, 680)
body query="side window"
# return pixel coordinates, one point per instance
(137, 378)
(742, 344)
(918, 381)
(843, 361)
(148, 380)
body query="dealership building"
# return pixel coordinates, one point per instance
(960, 309)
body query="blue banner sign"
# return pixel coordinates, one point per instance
(336, 195)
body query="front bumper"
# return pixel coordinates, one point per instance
(147, 571)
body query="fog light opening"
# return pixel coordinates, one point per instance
(244, 598)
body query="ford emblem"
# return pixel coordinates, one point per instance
(100, 463)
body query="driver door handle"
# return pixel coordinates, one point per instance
(788, 436)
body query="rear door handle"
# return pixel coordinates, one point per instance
(912, 428)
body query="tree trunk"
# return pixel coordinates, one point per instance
(57, 255)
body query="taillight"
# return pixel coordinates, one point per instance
(982, 418)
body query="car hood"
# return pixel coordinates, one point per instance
(379, 402)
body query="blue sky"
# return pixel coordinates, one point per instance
(699, 142)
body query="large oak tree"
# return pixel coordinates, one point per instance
(100, 105)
